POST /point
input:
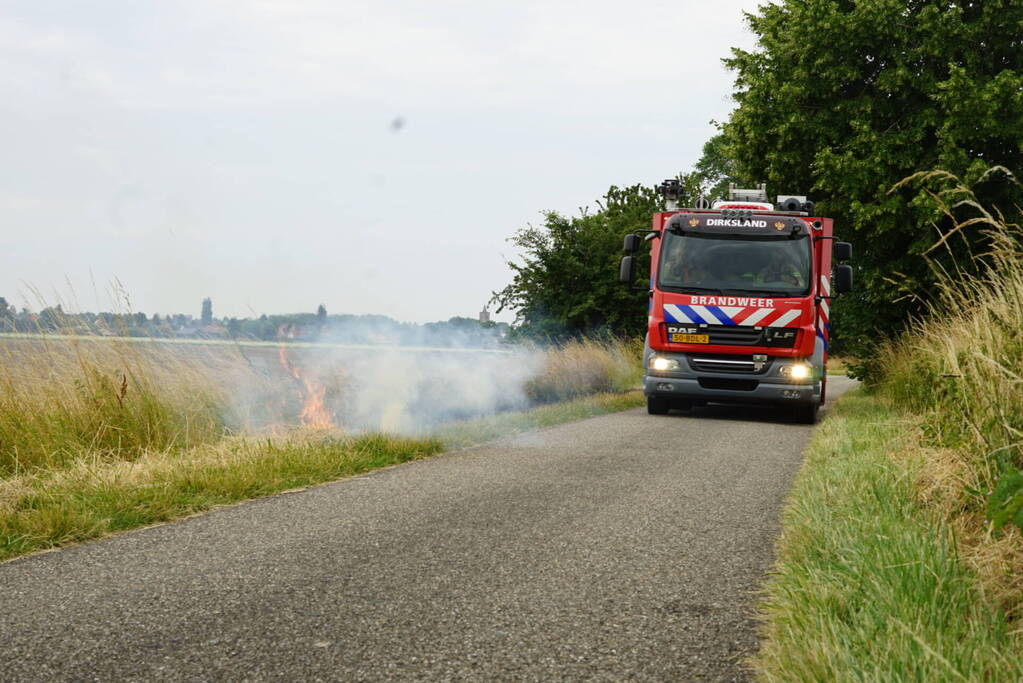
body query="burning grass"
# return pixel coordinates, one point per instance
(313, 392)
(98, 436)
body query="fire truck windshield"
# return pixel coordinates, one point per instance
(726, 264)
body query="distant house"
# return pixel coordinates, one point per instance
(213, 330)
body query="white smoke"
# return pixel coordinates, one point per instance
(410, 391)
(398, 390)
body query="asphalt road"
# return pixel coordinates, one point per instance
(620, 547)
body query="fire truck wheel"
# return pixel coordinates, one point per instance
(807, 414)
(656, 405)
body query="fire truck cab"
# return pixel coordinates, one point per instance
(739, 293)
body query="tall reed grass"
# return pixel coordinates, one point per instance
(65, 399)
(962, 365)
(582, 367)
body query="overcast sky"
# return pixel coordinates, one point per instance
(371, 156)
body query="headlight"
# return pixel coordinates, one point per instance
(663, 364)
(796, 370)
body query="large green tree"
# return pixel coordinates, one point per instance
(716, 168)
(566, 282)
(842, 99)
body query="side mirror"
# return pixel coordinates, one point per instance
(843, 251)
(631, 245)
(843, 279)
(627, 271)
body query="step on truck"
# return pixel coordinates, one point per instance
(739, 292)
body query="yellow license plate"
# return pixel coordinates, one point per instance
(690, 338)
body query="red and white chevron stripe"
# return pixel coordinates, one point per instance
(746, 316)
(826, 291)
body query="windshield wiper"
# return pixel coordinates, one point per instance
(687, 288)
(764, 292)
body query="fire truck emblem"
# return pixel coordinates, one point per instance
(693, 222)
(779, 226)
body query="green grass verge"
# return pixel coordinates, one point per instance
(93, 498)
(868, 586)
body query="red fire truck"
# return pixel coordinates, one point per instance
(739, 298)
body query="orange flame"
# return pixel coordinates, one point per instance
(314, 411)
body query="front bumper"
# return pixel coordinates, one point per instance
(766, 386)
(691, 389)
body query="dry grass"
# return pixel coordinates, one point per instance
(945, 479)
(62, 399)
(963, 365)
(837, 365)
(961, 369)
(578, 368)
(996, 560)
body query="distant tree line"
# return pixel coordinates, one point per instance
(567, 281)
(312, 327)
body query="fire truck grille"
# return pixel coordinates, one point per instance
(717, 363)
(734, 335)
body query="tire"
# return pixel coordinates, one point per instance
(807, 414)
(656, 405)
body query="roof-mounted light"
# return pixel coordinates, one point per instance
(737, 213)
(750, 206)
(738, 194)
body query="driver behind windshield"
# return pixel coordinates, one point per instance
(735, 267)
(686, 267)
(781, 268)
